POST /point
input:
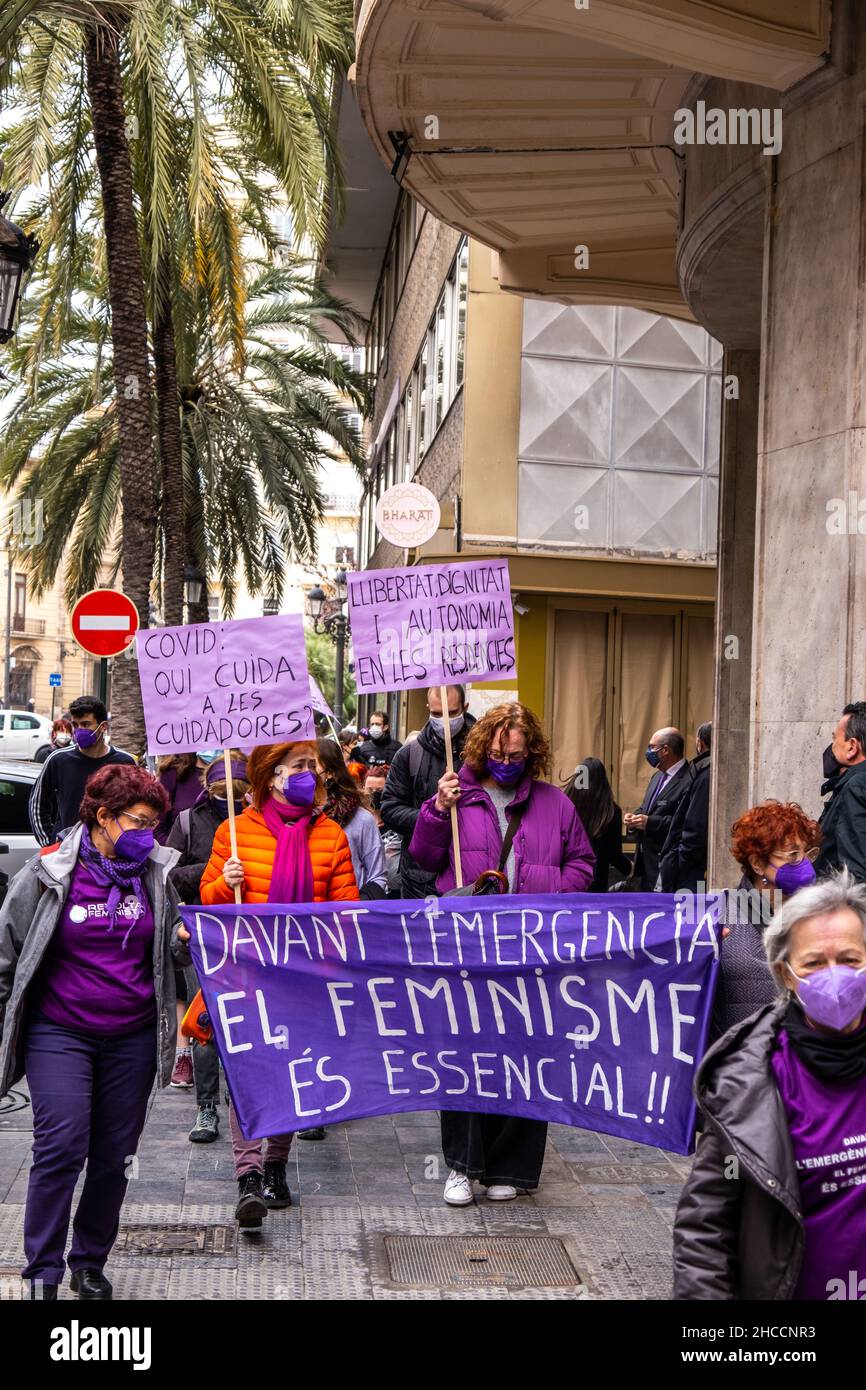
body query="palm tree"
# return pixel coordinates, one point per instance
(262, 71)
(94, 36)
(252, 439)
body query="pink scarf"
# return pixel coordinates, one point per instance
(292, 877)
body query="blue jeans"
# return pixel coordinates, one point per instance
(89, 1096)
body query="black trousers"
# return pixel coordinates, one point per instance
(494, 1148)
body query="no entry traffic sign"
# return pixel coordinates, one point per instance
(104, 622)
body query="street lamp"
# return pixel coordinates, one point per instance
(315, 604)
(17, 254)
(193, 584)
(334, 622)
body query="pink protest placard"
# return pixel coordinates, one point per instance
(225, 685)
(431, 625)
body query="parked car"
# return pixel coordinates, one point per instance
(17, 841)
(21, 733)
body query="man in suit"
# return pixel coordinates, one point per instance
(683, 860)
(843, 820)
(652, 820)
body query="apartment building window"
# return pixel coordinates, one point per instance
(421, 374)
(409, 431)
(19, 618)
(213, 608)
(345, 555)
(441, 344)
(404, 236)
(462, 295)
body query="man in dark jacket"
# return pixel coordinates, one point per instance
(380, 747)
(58, 790)
(414, 777)
(652, 820)
(843, 821)
(683, 861)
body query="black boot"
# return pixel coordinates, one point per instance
(317, 1133)
(251, 1205)
(274, 1186)
(90, 1283)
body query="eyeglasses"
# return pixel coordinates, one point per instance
(141, 822)
(796, 856)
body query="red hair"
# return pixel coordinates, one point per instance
(118, 787)
(263, 760)
(761, 832)
(502, 719)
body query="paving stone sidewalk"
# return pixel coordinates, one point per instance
(609, 1202)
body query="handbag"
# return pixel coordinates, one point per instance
(493, 880)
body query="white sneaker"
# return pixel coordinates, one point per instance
(501, 1192)
(458, 1190)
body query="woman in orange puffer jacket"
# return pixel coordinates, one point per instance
(289, 851)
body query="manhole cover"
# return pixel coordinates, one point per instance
(172, 1238)
(513, 1261)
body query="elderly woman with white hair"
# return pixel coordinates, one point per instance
(775, 1206)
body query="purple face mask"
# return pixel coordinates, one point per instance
(792, 877)
(85, 738)
(834, 997)
(300, 788)
(134, 845)
(506, 774)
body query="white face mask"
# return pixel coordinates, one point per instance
(456, 721)
(376, 731)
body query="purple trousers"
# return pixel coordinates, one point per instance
(89, 1096)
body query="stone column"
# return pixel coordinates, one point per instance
(732, 707)
(809, 638)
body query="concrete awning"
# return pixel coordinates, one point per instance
(539, 127)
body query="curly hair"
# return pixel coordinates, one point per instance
(118, 787)
(762, 830)
(263, 760)
(504, 718)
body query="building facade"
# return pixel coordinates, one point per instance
(705, 161)
(580, 443)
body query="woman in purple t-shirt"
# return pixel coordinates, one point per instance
(775, 1206)
(89, 934)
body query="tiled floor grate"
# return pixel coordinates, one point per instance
(173, 1238)
(506, 1261)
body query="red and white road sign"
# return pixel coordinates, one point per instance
(104, 622)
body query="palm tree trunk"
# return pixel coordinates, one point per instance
(171, 459)
(131, 370)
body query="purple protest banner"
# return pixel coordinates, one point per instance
(585, 1009)
(431, 625)
(225, 685)
(317, 699)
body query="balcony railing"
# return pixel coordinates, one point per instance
(34, 627)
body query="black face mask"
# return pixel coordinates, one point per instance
(831, 767)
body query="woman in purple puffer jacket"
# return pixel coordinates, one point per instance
(504, 757)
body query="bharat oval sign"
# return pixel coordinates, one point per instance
(407, 514)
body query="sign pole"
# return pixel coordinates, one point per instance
(102, 692)
(233, 834)
(449, 763)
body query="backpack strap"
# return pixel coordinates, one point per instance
(184, 821)
(416, 757)
(513, 825)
